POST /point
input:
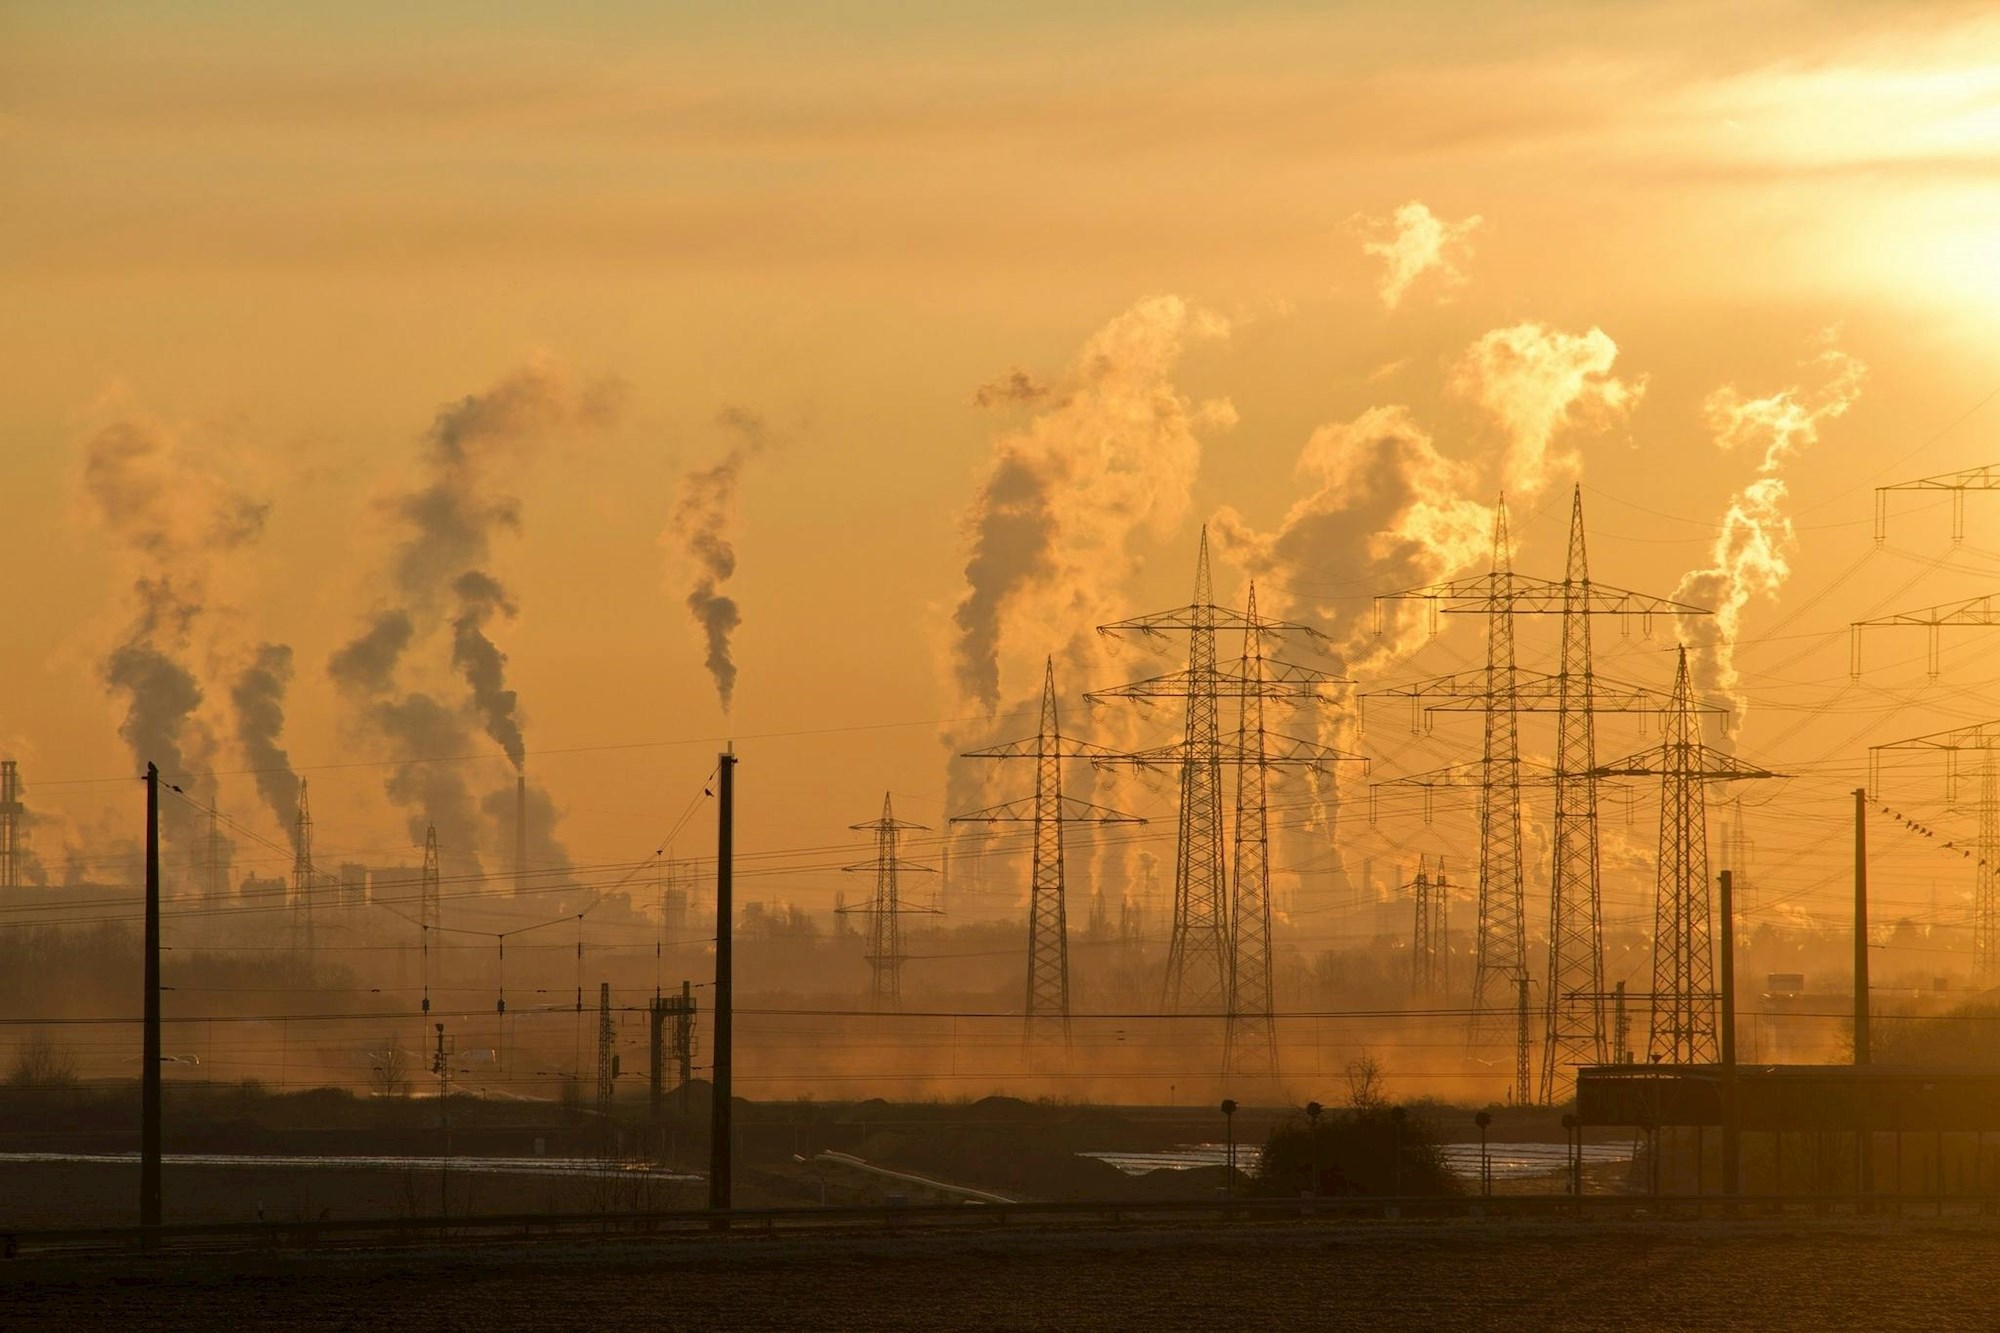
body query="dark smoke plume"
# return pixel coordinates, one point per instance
(546, 852)
(161, 696)
(1015, 387)
(438, 581)
(422, 731)
(1010, 547)
(258, 696)
(482, 664)
(171, 519)
(367, 663)
(701, 520)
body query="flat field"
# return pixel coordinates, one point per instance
(1769, 1274)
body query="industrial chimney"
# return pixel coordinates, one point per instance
(521, 833)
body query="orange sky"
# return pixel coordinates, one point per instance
(282, 244)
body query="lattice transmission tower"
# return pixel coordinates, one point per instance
(1956, 484)
(885, 911)
(1574, 1030)
(1047, 811)
(1982, 612)
(1684, 993)
(1982, 739)
(1219, 955)
(1973, 612)
(1249, 1035)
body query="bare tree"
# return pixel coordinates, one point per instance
(41, 1062)
(391, 1075)
(1367, 1082)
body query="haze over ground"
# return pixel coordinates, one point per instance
(926, 343)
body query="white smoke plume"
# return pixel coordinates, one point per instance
(1109, 455)
(171, 519)
(1112, 455)
(1414, 242)
(440, 585)
(1752, 554)
(703, 516)
(1536, 381)
(1384, 510)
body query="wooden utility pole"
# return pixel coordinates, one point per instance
(149, 1074)
(725, 850)
(1860, 926)
(1732, 1173)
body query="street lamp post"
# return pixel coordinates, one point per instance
(1229, 1134)
(1396, 1114)
(1483, 1119)
(1313, 1110)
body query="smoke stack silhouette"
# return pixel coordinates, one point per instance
(521, 833)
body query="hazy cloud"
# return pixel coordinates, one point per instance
(1536, 382)
(1414, 242)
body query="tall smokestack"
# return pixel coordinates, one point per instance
(10, 825)
(521, 833)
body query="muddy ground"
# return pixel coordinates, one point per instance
(1791, 1274)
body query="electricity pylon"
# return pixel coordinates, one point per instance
(1220, 952)
(1983, 739)
(1974, 612)
(1250, 1034)
(1047, 1012)
(1430, 938)
(1198, 952)
(1985, 478)
(885, 910)
(1684, 1024)
(1982, 612)
(1573, 1009)
(302, 874)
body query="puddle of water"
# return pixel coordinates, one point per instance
(1182, 1158)
(1510, 1161)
